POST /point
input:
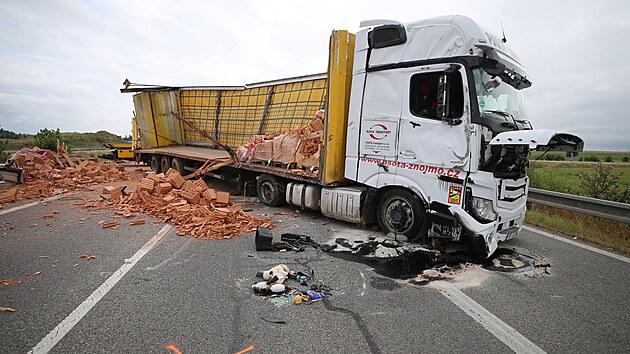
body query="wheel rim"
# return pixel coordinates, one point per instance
(399, 215)
(267, 191)
(154, 164)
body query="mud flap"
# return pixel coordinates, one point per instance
(483, 233)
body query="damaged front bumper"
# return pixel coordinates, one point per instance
(491, 233)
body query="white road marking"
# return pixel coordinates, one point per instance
(24, 206)
(66, 325)
(578, 244)
(506, 334)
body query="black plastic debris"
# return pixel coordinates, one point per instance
(264, 238)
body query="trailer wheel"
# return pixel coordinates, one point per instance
(165, 164)
(155, 163)
(269, 190)
(178, 165)
(401, 212)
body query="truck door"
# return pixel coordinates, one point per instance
(380, 116)
(435, 119)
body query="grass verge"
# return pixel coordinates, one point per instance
(609, 234)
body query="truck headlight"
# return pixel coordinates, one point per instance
(483, 209)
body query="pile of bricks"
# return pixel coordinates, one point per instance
(190, 205)
(47, 174)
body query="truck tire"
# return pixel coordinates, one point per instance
(156, 160)
(401, 212)
(269, 190)
(165, 163)
(178, 165)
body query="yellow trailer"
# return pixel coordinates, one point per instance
(234, 114)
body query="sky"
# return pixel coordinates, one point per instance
(62, 63)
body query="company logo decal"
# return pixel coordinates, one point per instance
(379, 131)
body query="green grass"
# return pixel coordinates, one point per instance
(565, 177)
(615, 156)
(72, 139)
(606, 233)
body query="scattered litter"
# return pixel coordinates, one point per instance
(75, 265)
(43, 257)
(272, 319)
(10, 282)
(305, 290)
(87, 256)
(6, 309)
(293, 242)
(37, 273)
(190, 205)
(111, 224)
(137, 222)
(248, 349)
(172, 347)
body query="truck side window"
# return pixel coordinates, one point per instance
(424, 91)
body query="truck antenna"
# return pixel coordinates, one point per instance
(504, 40)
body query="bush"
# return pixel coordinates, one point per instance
(47, 139)
(626, 159)
(600, 183)
(553, 157)
(608, 159)
(591, 158)
(3, 154)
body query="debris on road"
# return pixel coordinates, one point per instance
(264, 241)
(6, 309)
(111, 224)
(172, 347)
(48, 173)
(252, 347)
(10, 282)
(307, 290)
(190, 205)
(87, 256)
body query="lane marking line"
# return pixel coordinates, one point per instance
(578, 244)
(501, 330)
(24, 206)
(73, 318)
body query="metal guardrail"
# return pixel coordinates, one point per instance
(591, 206)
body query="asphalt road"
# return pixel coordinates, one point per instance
(196, 295)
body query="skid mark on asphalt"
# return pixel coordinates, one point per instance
(501, 330)
(578, 244)
(173, 256)
(46, 344)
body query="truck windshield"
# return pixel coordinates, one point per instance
(498, 97)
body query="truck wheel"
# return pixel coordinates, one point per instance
(269, 190)
(165, 164)
(401, 212)
(178, 165)
(155, 163)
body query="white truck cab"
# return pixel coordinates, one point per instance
(438, 129)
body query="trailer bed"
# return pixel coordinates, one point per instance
(202, 154)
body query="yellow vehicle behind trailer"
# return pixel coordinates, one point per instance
(121, 151)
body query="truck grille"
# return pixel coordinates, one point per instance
(512, 190)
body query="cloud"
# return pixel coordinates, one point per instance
(62, 63)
